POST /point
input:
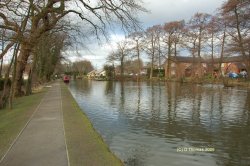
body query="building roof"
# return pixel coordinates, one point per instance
(189, 59)
(239, 65)
(92, 72)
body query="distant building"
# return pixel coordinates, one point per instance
(91, 74)
(236, 67)
(96, 74)
(181, 66)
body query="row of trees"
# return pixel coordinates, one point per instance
(37, 31)
(203, 36)
(78, 68)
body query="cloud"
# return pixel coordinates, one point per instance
(172, 10)
(96, 53)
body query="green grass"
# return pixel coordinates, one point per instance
(85, 145)
(12, 121)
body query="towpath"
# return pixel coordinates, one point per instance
(42, 141)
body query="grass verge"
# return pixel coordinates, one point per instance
(13, 121)
(85, 145)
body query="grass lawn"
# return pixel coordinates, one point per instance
(85, 145)
(13, 121)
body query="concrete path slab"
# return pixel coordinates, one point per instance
(42, 142)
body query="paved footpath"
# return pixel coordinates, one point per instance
(42, 142)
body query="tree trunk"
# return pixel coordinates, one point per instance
(20, 68)
(169, 58)
(1, 67)
(11, 96)
(212, 52)
(152, 58)
(222, 51)
(175, 49)
(240, 41)
(151, 68)
(199, 55)
(122, 67)
(28, 90)
(6, 92)
(114, 75)
(199, 44)
(159, 58)
(193, 63)
(7, 85)
(138, 59)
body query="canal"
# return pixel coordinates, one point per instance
(155, 124)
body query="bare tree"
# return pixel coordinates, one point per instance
(2, 43)
(137, 39)
(45, 16)
(120, 55)
(222, 28)
(173, 31)
(213, 29)
(82, 67)
(196, 35)
(131, 66)
(198, 25)
(111, 58)
(237, 15)
(152, 36)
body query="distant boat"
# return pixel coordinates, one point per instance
(66, 79)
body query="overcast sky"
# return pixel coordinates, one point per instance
(172, 10)
(161, 11)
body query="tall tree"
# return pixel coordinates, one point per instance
(237, 15)
(47, 54)
(2, 44)
(82, 67)
(109, 69)
(198, 25)
(131, 66)
(46, 15)
(196, 35)
(111, 60)
(137, 39)
(173, 31)
(212, 29)
(152, 36)
(120, 55)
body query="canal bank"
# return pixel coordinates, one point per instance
(53, 132)
(85, 145)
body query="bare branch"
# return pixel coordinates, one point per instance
(6, 49)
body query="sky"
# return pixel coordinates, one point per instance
(160, 12)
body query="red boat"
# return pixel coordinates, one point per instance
(66, 79)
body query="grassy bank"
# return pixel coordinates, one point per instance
(12, 121)
(85, 145)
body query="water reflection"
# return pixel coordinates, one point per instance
(144, 123)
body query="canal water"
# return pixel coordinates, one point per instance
(156, 124)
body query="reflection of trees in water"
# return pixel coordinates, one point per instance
(138, 96)
(84, 86)
(247, 105)
(152, 101)
(227, 137)
(122, 96)
(110, 92)
(188, 112)
(110, 88)
(236, 136)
